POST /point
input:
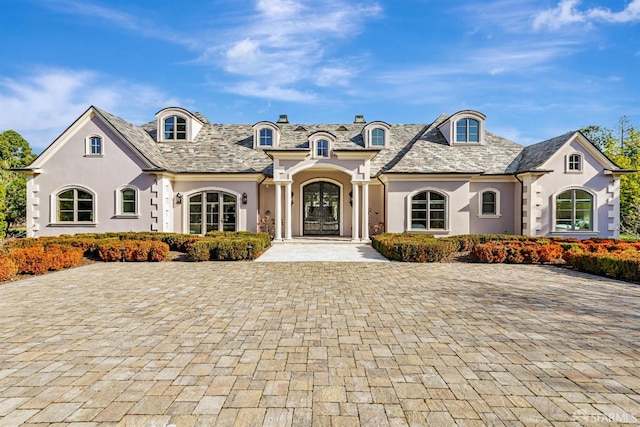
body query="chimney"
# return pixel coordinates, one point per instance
(283, 118)
(359, 119)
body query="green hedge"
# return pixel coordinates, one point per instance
(414, 247)
(227, 248)
(618, 265)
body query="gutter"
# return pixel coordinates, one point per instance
(384, 204)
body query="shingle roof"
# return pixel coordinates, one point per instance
(413, 148)
(137, 137)
(534, 156)
(431, 153)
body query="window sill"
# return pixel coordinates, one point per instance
(494, 216)
(467, 144)
(573, 172)
(129, 216)
(594, 232)
(94, 155)
(427, 231)
(73, 224)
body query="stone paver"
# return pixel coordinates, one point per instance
(336, 344)
(307, 251)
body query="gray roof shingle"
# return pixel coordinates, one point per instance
(534, 156)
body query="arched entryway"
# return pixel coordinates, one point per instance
(321, 208)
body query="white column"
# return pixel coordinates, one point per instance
(287, 209)
(365, 212)
(355, 235)
(278, 236)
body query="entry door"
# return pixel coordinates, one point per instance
(321, 208)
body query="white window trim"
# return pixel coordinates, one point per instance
(185, 206)
(313, 143)
(454, 130)
(594, 212)
(566, 163)
(118, 205)
(53, 217)
(447, 208)
(256, 135)
(497, 193)
(367, 133)
(87, 145)
(187, 121)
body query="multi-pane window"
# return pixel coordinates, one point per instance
(377, 137)
(489, 203)
(266, 137)
(428, 211)
(574, 211)
(75, 205)
(574, 163)
(95, 145)
(467, 130)
(322, 148)
(128, 200)
(212, 211)
(175, 127)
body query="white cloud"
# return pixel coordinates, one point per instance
(41, 105)
(285, 44)
(567, 12)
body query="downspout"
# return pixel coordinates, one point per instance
(384, 203)
(521, 203)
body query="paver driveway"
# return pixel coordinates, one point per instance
(339, 344)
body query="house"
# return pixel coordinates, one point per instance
(182, 173)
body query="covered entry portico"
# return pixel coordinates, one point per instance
(321, 197)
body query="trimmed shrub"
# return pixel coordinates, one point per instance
(134, 250)
(8, 268)
(489, 253)
(30, 260)
(550, 253)
(63, 256)
(200, 250)
(414, 247)
(620, 265)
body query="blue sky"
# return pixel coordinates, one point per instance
(536, 68)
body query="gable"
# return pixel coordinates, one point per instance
(577, 143)
(90, 122)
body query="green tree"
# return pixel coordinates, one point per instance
(15, 152)
(623, 148)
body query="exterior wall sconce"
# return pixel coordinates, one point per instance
(292, 198)
(244, 198)
(178, 199)
(350, 198)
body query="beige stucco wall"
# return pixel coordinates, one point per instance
(70, 167)
(507, 220)
(458, 209)
(592, 178)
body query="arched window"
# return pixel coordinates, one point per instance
(175, 127)
(377, 137)
(266, 137)
(574, 162)
(75, 205)
(428, 211)
(212, 211)
(322, 148)
(574, 211)
(127, 201)
(467, 130)
(95, 144)
(489, 203)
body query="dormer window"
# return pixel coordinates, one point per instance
(464, 127)
(266, 137)
(322, 148)
(175, 127)
(177, 124)
(468, 130)
(376, 135)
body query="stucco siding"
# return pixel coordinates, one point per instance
(102, 175)
(591, 178)
(458, 208)
(504, 222)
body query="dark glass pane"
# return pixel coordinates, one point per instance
(436, 224)
(85, 216)
(461, 131)
(84, 195)
(128, 194)
(212, 197)
(128, 207)
(420, 196)
(64, 216)
(435, 196)
(473, 130)
(85, 205)
(65, 205)
(196, 198)
(66, 195)
(195, 228)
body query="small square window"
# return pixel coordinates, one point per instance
(574, 163)
(322, 148)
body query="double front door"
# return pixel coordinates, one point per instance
(321, 209)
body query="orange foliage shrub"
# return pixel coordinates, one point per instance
(550, 253)
(134, 251)
(38, 260)
(8, 269)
